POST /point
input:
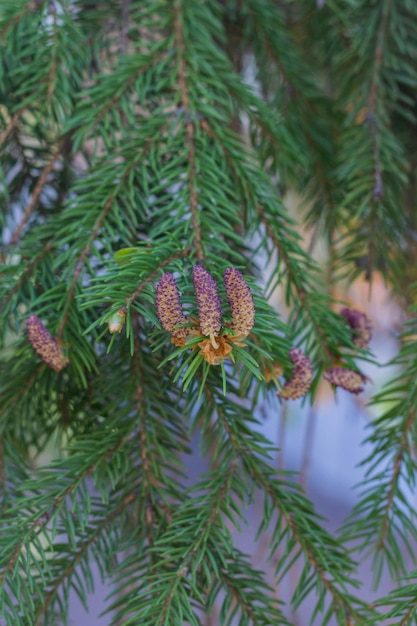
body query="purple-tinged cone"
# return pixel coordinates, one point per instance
(208, 302)
(301, 378)
(361, 325)
(240, 301)
(44, 344)
(347, 379)
(169, 309)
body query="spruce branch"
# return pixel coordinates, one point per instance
(332, 567)
(86, 250)
(40, 520)
(181, 123)
(402, 601)
(403, 449)
(80, 554)
(384, 518)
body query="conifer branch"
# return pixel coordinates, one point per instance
(157, 176)
(412, 606)
(218, 498)
(310, 550)
(86, 250)
(154, 58)
(42, 519)
(372, 117)
(403, 447)
(42, 180)
(147, 478)
(297, 283)
(81, 553)
(2, 475)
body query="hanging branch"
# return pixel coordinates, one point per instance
(40, 521)
(81, 553)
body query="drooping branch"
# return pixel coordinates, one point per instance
(398, 460)
(41, 520)
(81, 552)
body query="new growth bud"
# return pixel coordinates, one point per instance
(117, 321)
(44, 344)
(361, 325)
(208, 303)
(240, 301)
(347, 379)
(301, 378)
(169, 309)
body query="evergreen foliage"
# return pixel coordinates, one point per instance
(134, 144)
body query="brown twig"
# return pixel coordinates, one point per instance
(11, 125)
(52, 69)
(190, 129)
(37, 192)
(177, 255)
(124, 29)
(371, 117)
(282, 429)
(147, 477)
(308, 445)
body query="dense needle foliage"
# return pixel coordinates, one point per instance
(142, 139)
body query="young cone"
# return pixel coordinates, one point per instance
(361, 325)
(347, 379)
(44, 344)
(240, 301)
(208, 302)
(169, 309)
(301, 378)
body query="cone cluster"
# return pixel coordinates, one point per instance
(302, 374)
(215, 344)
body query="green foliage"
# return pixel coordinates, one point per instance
(147, 137)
